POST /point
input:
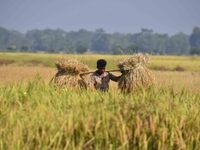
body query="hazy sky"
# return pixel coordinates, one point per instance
(129, 16)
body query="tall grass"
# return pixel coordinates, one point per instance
(40, 116)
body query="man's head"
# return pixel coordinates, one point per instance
(101, 66)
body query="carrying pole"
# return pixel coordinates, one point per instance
(85, 73)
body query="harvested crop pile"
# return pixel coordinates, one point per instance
(137, 75)
(68, 73)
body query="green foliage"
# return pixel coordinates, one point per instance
(11, 40)
(24, 48)
(41, 116)
(195, 38)
(178, 44)
(12, 48)
(195, 41)
(117, 50)
(99, 41)
(195, 51)
(131, 49)
(81, 48)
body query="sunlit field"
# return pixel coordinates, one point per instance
(171, 71)
(164, 63)
(34, 114)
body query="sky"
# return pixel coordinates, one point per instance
(124, 16)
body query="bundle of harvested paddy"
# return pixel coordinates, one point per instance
(137, 74)
(68, 73)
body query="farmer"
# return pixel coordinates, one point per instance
(100, 78)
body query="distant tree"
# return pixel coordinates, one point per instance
(9, 38)
(4, 33)
(81, 48)
(144, 39)
(195, 38)
(195, 41)
(194, 51)
(100, 41)
(117, 50)
(178, 44)
(149, 42)
(24, 48)
(159, 44)
(131, 49)
(12, 48)
(118, 41)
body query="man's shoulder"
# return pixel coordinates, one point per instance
(94, 73)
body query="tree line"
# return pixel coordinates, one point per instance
(98, 41)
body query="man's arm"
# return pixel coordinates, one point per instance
(113, 77)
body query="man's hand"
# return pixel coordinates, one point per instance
(123, 71)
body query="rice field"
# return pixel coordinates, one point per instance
(163, 63)
(37, 115)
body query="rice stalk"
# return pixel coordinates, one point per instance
(68, 74)
(137, 74)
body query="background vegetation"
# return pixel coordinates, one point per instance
(99, 41)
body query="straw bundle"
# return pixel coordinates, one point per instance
(137, 76)
(68, 73)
